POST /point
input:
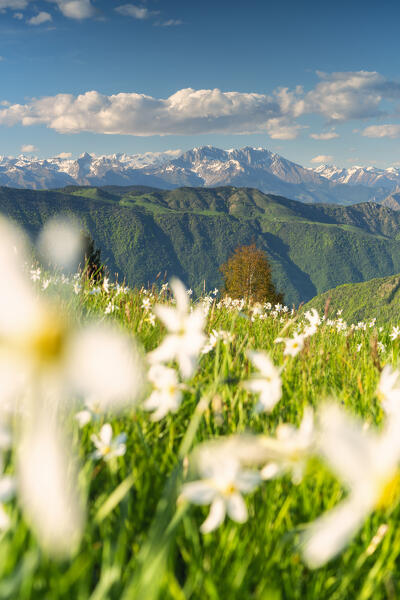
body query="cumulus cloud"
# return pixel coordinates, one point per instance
(188, 111)
(380, 131)
(350, 95)
(136, 12)
(322, 159)
(18, 15)
(327, 135)
(28, 148)
(75, 9)
(40, 18)
(282, 129)
(337, 97)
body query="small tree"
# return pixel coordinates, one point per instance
(247, 275)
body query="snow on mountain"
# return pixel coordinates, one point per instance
(206, 166)
(370, 176)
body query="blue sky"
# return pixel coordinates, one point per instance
(311, 81)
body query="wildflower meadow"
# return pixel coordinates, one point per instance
(158, 445)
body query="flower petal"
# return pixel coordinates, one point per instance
(236, 508)
(215, 517)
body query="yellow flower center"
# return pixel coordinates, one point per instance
(390, 492)
(47, 342)
(229, 490)
(106, 450)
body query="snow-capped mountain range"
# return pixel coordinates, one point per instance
(206, 166)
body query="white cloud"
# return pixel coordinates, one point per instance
(350, 95)
(380, 131)
(187, 111)
(322, 159)
(282, 129)
(19, 16)
(2, 58)
(40, 18)
(64, 155)
(75, 9)
(337, 97)
(171, 23)
(136, 12)
(13, 4)
(327, 135)
(28, 148)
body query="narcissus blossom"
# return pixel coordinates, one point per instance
(223, 480)
(266, 382)
(367, 463)
(185, 338)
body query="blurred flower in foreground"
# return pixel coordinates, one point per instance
(222, 484)
(45, 359)
(367, 462)
(61, 244)
(388, 390)
(108, 447)
(267, 383)
(186, 337)
(291, 449)
(47, 486)
(167, 392)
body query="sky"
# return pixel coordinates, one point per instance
(315, 82)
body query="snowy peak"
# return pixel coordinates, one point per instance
(358, 175)
(209, 167)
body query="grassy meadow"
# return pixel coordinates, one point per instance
(141, 539)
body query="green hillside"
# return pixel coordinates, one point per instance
(378, 298)
(189, 232)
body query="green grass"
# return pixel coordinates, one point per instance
(360, 301)
(131, 550)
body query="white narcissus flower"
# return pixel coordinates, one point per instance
(388, 390)
(167, 392)
(367, 463)
(104, 364)
(185, 337)
(44, 362)
(47, 486)
(290, 450)
(108, 447)
(395, 333)
(61, 243)
(267, 383)
(222, 483)
(293, 345)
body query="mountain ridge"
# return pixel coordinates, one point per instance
(205, 166)
(189, 232)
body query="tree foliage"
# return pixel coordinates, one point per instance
(247, 275)
(93, 268)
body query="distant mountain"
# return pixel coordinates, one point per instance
(365, 176)
(379, 298)
(392, 201)
(190, 232)
(201, 167)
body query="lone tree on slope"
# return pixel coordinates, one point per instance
(247, 274)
